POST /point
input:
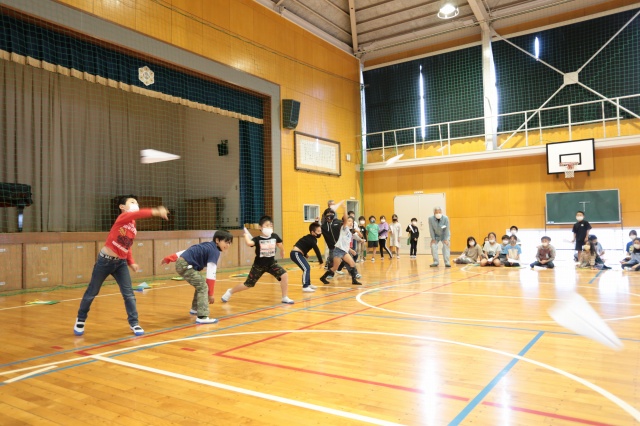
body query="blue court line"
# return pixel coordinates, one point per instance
(597, 275)
(460, 323)
(220, 329)
(256, 310)
(475, 401)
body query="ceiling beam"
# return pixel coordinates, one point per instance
(354, 30)
(480, 13)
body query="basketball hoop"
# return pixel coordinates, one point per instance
(568, 169)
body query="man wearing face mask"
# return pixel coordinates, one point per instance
(440, 232)
(331, 232)
(580, 232)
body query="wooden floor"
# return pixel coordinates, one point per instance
(414, 345)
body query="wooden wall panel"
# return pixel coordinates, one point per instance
(122, 12)
(42, 265)
(229, 258)
(161, 249)
(153, 19)
(185, 243)
(78, 260)
(143, 255)
(10, 267)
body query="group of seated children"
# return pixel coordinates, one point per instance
(632, 260)
(505, 254)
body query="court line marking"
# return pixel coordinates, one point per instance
(269, 397)
(606, 394)
(31, 373)
(505, 297)
(239, 314)
(493, 383)
(359, 299)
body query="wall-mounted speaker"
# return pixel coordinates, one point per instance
(290, 113)
(223, 148)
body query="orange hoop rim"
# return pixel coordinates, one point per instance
(569, 165)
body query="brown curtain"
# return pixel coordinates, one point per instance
(77, 144)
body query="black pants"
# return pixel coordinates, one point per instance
(414, 248)
(383, 246)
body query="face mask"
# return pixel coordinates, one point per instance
(362, 222)
(330, 217)
(505, 242)
(472, 243)
(382, 220)
(133, 208)
(372, 220)
(636, 246)
(414, 223)
(545, 244)
(579, 218)
(267, 232)
(514, 232)
(492, 241)
(318, 235)
(395, 219)
(438, 215)
(633, 237)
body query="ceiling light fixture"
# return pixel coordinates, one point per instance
(448, 10)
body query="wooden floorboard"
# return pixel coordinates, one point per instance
(420, 346)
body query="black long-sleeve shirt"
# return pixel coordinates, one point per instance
(331, 232)
(307, 243)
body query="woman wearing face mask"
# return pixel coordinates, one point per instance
(362, 245)
(383, 232)
(414, 234)
(633, 264)
(394, 237)
(472, 254)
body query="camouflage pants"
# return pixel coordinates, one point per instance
(200, 300)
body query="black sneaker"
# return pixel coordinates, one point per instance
(324, 279)
(355, 282)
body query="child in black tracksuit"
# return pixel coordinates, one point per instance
(299, 255)
(414, 234)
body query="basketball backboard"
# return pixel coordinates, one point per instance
(582, 152)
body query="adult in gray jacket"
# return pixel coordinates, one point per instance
(440, 232)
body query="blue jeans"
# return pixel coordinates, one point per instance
(102, 269)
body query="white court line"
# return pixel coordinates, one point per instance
(606, 394)
(279, 399)
(501, 297)
(362, 302)
(15, 379)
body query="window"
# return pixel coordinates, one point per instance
(423, 117)
(311, 212)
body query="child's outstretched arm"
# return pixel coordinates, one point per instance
(248, 238)
(172, 257)
(211, 279)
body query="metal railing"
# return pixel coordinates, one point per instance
(389, 138)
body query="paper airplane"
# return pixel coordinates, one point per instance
(148, 156)
(577, 315)
(392, 160)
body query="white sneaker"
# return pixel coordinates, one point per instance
(78, 328)
(398, 257)
(193, 312)
(626, 268)
(137, 330)
(287, 300)
(373, 259)
(339, 272)
(308, 289)
(206, 320)
(312, 286)
(226, 296)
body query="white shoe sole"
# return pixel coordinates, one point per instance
(308, 290)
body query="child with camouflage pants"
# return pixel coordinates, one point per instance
(188, 264)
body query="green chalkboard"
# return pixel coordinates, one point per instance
(599, 206)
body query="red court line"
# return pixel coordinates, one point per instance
(543, 413)
(352, 379)
(85, 353)
(340, 316)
